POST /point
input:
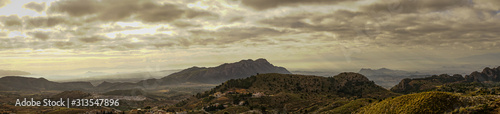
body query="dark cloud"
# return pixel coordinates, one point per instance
(268, 4)
(4, 2)
(235, 19)
(157, 13)
(42, 22)
(12, 20)
(38, 7)
(40, 35)
(459, 27)
(198, 13)
(76, 7)
(92, 39)
(342, 22)
(119, 10)
(182, 24)
(415, 6)
(230, 35)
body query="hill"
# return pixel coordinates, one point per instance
(17, 83)
(274, 92)
(488, 75)
(433, 103)
(425, 84)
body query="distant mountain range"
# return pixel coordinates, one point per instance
(201, 75)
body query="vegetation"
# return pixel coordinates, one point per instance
(434, 102)
(351, 106)
(284, 93)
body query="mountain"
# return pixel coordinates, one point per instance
(224, 72)
(17, 83)
(488, 75)
(13, 73)
(292, 93)
(210, 75)
(387, 78)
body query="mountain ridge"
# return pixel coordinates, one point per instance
(488, 75)
(206, 75)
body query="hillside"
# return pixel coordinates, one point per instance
(488, 75)
(287, 93)
(16, 83)
(433, 103)
(425, 84)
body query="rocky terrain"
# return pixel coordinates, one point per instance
(488, 75)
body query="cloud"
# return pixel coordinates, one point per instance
(43, 22)
(268, 4)
(12, 20)
(430, 24)
(38, 7)
(40, 35)
(76, 7)
(182, 24)
(4, 2)
(415, 6)
(92, 39)
(229, 35)
(123, 10)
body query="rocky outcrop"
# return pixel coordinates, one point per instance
(424, 84)
(487, 75)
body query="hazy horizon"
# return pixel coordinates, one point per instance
(67, 38)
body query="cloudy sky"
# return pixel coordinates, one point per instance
(67, 37)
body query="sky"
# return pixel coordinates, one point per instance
(70, 37)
